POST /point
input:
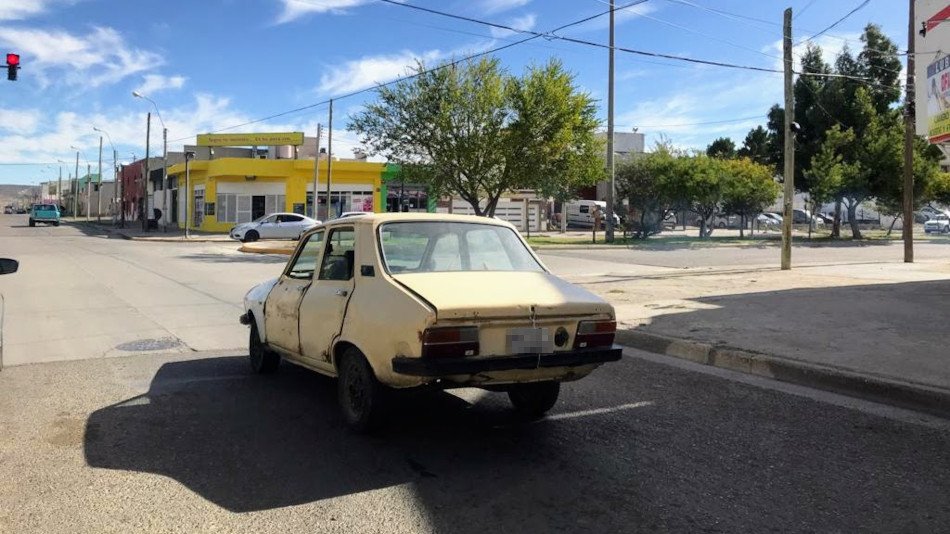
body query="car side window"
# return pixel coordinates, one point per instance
(585, 209)
(340, 254)
(306, 261)
(292, 218)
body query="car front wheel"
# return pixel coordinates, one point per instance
(263, 360)
(251, 236)
(360, 394)
(534, 399)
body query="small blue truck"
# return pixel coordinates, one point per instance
(44, 213)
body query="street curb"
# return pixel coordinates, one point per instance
(255, 249)
(881, 389)
(156, 239)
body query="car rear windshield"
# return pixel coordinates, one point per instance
(425, 246)
(45, 207)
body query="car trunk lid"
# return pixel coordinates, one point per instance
(502, 294)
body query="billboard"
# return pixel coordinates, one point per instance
(938, 100)
(251, 139)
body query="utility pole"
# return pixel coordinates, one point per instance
(143, 203)
(165, 196)
(316, 172)
(329, 158)
(88, 189)
(59, 188)
(609, 234)
(75, 187)
(188, 201)
(99, 189)
(116, 184)
(909, 107)
(789, 171)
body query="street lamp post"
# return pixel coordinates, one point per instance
(188, 202)
(165, 199)
(116, 185)
(88, 170)
(59, 187)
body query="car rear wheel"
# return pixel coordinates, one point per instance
(251, 236)
(360, 394)
(32, 223)
(263, 360)
(534, 399)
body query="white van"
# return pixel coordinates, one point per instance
(581, 213)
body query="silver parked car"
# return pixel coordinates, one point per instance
(274, 226)
(938, 224)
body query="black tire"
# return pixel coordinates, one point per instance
(32, 223)
(251, 236)
(722, 225)
(360, 395)
(263, 360)
(534, 399)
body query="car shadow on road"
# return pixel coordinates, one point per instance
(248, 443)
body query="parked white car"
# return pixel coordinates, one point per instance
(274, 226)
(938, 224)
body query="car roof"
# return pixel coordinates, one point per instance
(380, 218)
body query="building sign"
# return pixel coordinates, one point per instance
(251, 139)
(938, 100)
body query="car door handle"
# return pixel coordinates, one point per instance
(342, 292)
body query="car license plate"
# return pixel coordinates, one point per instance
(529, 341)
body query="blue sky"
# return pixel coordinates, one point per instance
(217, 63)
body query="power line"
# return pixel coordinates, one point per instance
(725, 121)
(552, 35)
(857, 8)
(411, 76)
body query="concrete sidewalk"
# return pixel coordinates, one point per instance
(876, 330)
(133, 230)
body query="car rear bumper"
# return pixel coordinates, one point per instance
(433, 367)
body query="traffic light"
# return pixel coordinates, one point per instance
(13, 63)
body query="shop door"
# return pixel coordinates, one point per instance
(173, 206)
(199, 208)
(258, 207)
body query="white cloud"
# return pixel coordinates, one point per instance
(713, 103)
(97, 58)
(368, 71)
(154, 83)
(20, 121)
(521, 23)
(497, 6)
(22, 9)
(294, 9)
(831, 46)
(620, 16)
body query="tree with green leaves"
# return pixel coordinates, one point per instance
(827, 169)
(722, 148)
(756, 146)
(472, 129)
(699, 181)
(748, 188)
(940, 189)
(644, 181)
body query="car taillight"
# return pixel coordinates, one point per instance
(448, 342)
(595, 334)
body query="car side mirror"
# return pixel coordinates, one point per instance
(8, 266)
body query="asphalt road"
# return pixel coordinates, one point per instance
(188, 440)
(82, 293)
(195, 443)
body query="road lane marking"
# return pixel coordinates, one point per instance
(597, 411)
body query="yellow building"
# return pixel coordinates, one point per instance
(228, 191)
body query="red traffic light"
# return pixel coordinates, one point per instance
(13, 60)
